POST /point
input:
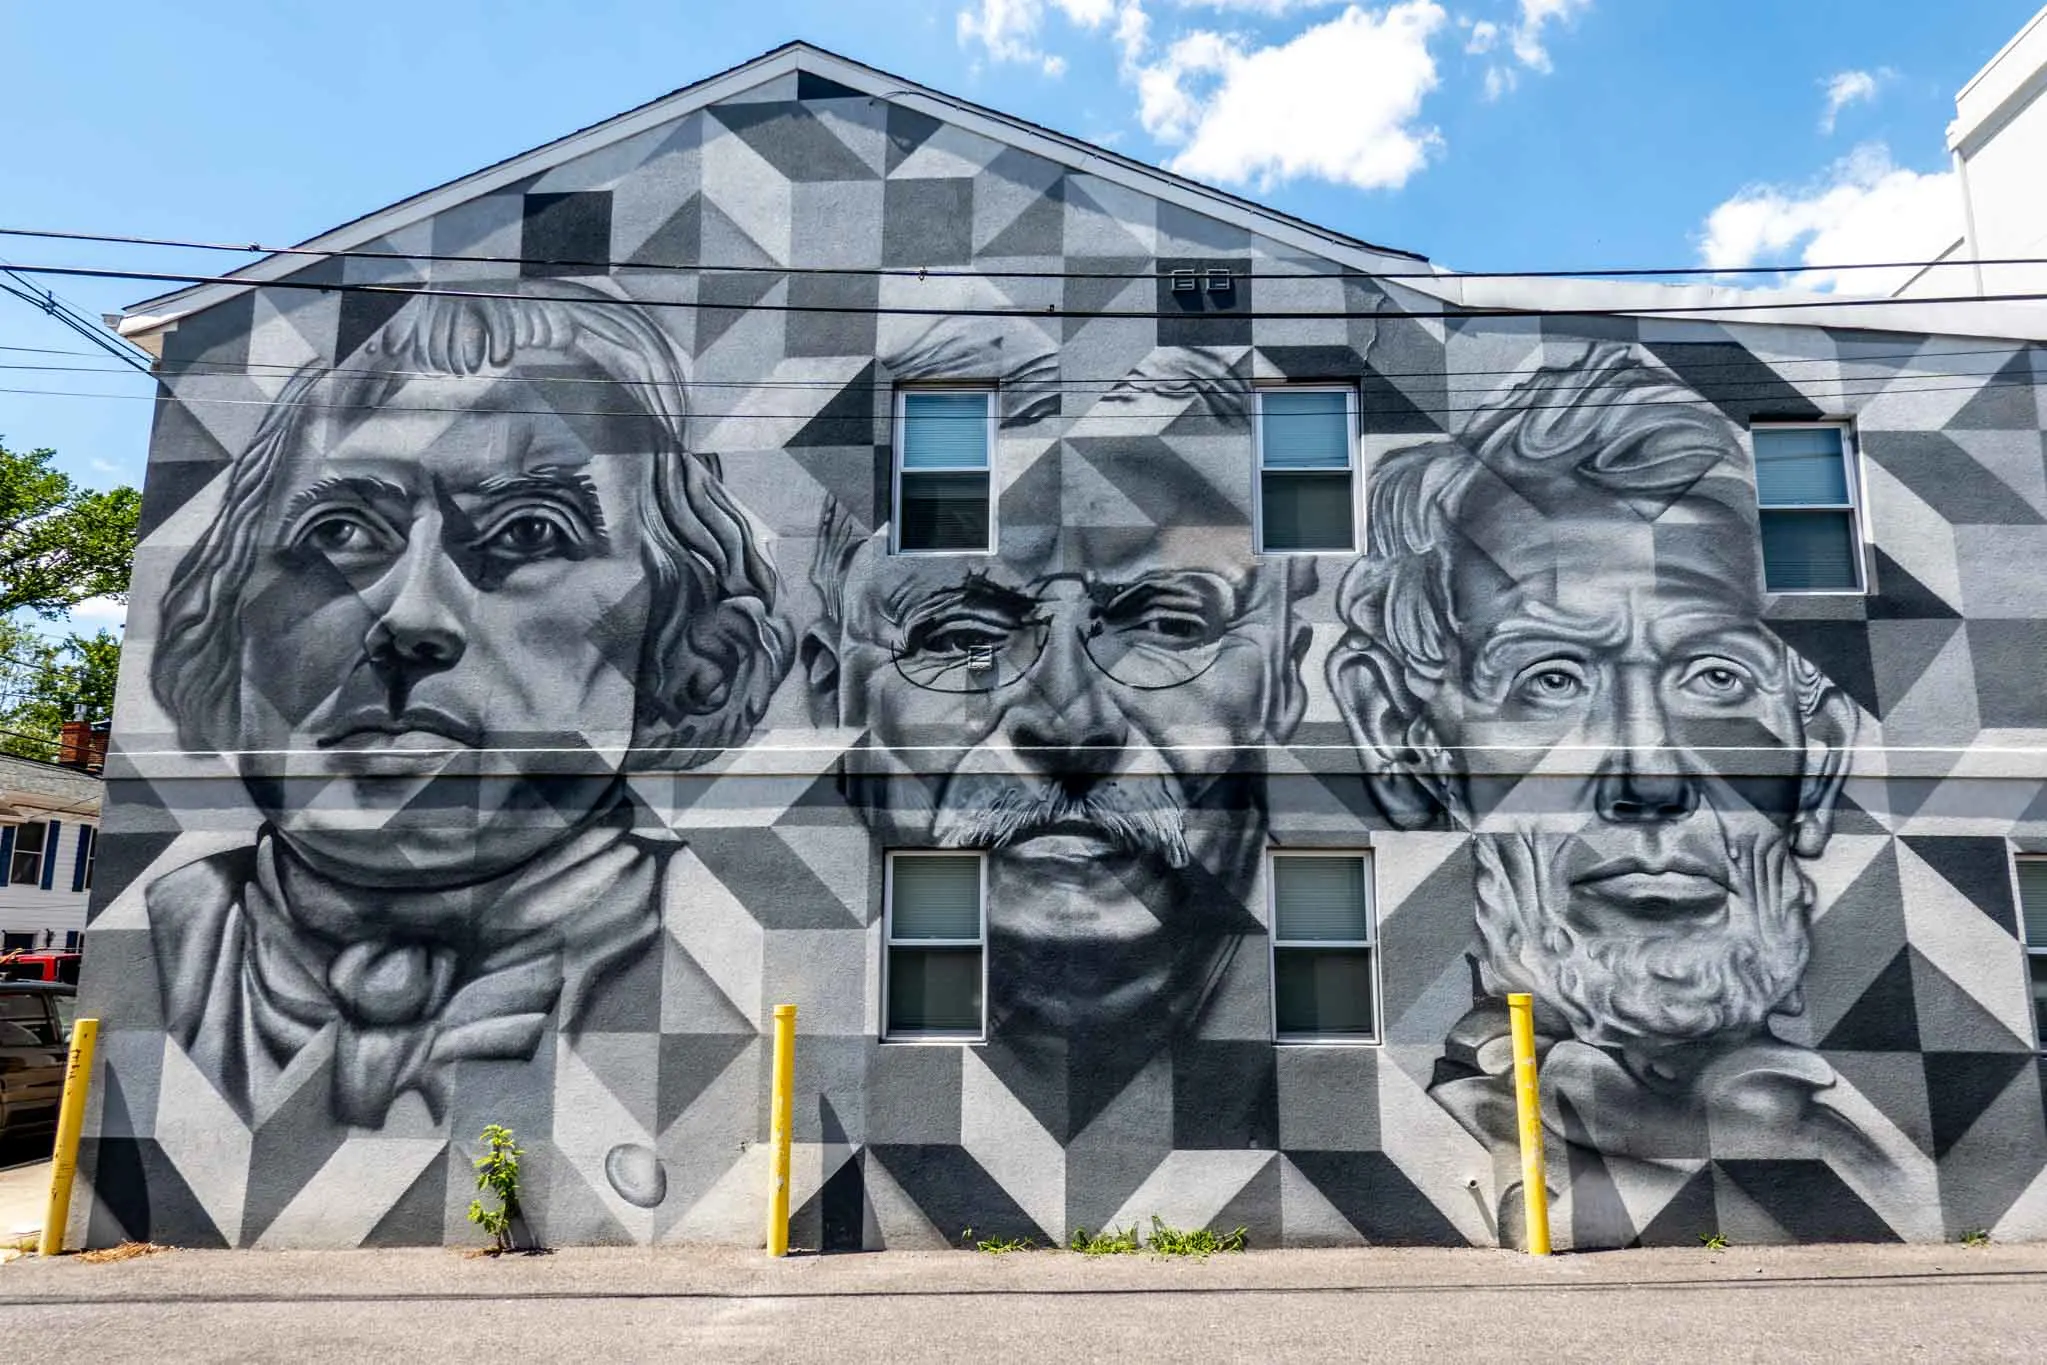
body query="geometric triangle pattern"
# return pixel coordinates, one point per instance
(524, 700)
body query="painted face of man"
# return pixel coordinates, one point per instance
(1078, 708)
(458, 571)
(1631, 751)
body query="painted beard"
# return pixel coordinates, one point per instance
(1650, 988)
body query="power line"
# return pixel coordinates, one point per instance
(1704, 399)
(1063, 382)
(1047, 312)
(923, 272)
(47, 302)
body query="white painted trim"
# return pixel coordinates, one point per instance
(896, 471)
(1856, 506)
(1357, 489)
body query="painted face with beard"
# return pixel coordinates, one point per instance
(1079, 728)
(1640, 760)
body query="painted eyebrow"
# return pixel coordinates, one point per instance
(572, 485)
(1543, 625)
(975, 590)
(362, 487)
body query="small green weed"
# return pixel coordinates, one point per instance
(1107, 1242)
(497, 1171)
(997, 1246)
(1712, 1241)
(1976, 1238)
(1166, 1240)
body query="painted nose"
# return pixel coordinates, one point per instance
(1643, 779)
(1066, 727)
(420, 633)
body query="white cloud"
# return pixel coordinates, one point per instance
(1523, 38)
(96, 613)
(1848, 87)
(1009, 28)
(1339, 101)
(1863, 209)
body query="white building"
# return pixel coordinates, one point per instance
(1999, 144)
(49, 826)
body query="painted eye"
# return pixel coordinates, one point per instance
(342, 535)
(1717, 680)
(527, 537)
(1558, 681)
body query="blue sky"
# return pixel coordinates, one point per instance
(1486, 134)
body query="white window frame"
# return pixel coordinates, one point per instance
(2028, 949)
(1851, 464)
(34, 878)
(1274, 944)
(91, 835)
(895, 505)
(1258, 471)
(889, 944)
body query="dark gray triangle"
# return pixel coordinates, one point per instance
(678, 241)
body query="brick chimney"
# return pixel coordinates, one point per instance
(82, 744)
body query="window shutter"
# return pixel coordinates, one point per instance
(945, 430)
(6, 854)
(50, 842)
(936, 898)
(1320, 899)
(2033, 900)
(1304, 430)
(86, 834)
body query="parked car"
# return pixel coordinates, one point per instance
(35, 1033)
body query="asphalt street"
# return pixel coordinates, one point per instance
(1779, 1304)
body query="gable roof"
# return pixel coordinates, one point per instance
(828, 69)
(1701, 301)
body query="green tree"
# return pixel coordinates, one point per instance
(60, 543)
(45, 682)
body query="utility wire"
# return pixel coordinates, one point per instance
(1048, 312)
(922, 272)
(1760, 397)
(1062, 382)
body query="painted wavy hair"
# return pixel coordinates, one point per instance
(716, 646)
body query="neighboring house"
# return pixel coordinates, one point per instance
(49, 821)
(1998, 142)
(1144, 675)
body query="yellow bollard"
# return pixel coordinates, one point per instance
(70, 1120)
(1528, 1103)
(781, 1105)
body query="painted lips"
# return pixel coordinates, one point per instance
(1670, 890)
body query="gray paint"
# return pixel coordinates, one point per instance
(698, 701)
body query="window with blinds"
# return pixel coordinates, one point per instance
(1325, 968)
(945, 439)
(25, 861)
(935, 931)
(1805, 489)
(1307, 470)
(2032, 880)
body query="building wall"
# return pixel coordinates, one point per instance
(1999, 138)
(55, 912)
(325, 959)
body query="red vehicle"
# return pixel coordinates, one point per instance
(43, 964)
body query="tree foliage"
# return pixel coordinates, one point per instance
(45, 682)
(60, 543)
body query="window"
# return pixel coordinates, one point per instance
(27, 862)
(1324, 950)
(25, 1021)
(933, 977)
(87, 855)
(1805, 487)
(1307, 459)
(2033, 921)
(944, 440)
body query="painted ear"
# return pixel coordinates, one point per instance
(818, 656)
(1382, 712)
(1829, 733)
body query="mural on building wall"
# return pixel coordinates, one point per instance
(526, 700)
(456, 582)
(1557, 643)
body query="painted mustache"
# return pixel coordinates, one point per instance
(1000, 816)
